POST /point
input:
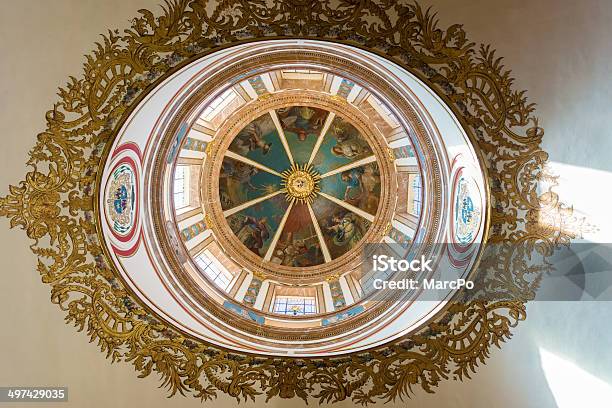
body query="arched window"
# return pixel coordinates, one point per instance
(214, 270)
(181, 187)
(218, 104)
(416, 197)
(295, 305)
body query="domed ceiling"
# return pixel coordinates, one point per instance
(206, 199)
(271, 184)
(302, 193)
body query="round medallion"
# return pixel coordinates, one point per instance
(121, 195)
(301, 183)
(120, 199)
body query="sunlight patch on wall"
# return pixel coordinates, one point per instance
(586, 217)
(571, 386)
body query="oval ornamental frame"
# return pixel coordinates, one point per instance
(57, 201)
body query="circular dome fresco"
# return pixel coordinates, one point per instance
(295, 163)
(245, 195)
(299, 186)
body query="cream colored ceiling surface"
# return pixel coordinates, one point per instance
(460, 392)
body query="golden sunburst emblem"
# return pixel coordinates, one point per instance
(301, 183)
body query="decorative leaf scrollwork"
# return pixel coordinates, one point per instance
(54, 205)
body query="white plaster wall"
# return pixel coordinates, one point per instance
(560, 50)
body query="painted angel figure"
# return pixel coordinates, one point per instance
(301, 120)
(250, 140)
(345, 230)
(354, 184)
(253, 233)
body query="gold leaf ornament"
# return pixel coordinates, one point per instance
(54, 200)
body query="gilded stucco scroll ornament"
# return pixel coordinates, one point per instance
(55, 202)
